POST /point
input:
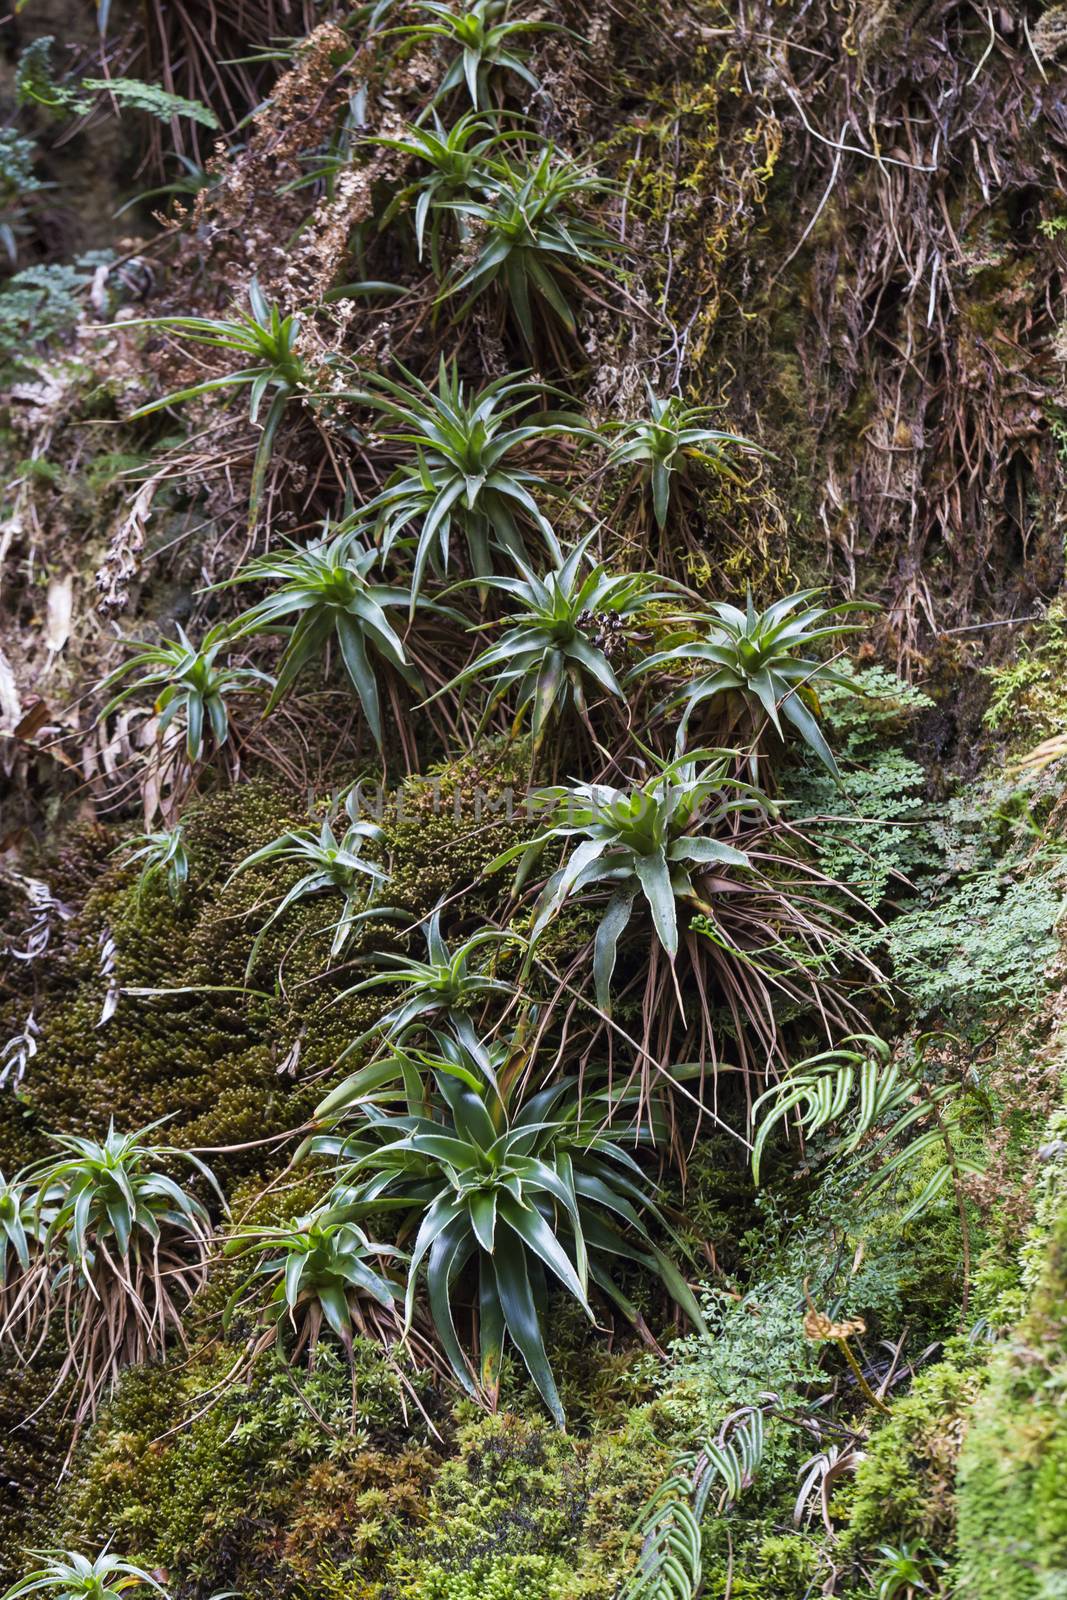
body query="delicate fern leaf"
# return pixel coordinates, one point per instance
(827, 1098)
(781, 1101)
(928, 1139)
(735, 1462)
(930, 1192)
(670, 1564)
(820, 1090)
(882, 1089)
(669, 1567)
(750, 1442)
(133, 95)
(726, 1462)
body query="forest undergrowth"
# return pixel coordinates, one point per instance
(532, 861)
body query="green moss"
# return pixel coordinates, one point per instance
(31, 1456)
(1028, 702)
(524, 1510)
(226, 1067)
(203, 1060)
(905, 1484)
(526, 1577)
(788, 1562)
(195, 1478)
(277, 1483)
(598, 1386)
(1013, 1469)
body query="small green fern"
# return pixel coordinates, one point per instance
(670, 1566)
(133, 95)
(820, 1090)
(36, 83)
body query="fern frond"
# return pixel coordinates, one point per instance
(132, 94)
(670, 1564)
(820, 1090)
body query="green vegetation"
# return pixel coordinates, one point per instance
(443, 987)
(67, 1574)
(325, 587)
(481, 42)
(317, 1272)
(479, 1165)
(1012, 1533)
(332, 865)
(748, 662)
(459, 159)
(1026, 696)
(547, 660)
(569, 896)
(535, 248)
(269, 342)
(189, 684)
(19, 184)
(118, 1246)
(671, 1550)
(162, 856)
(36, 84)
(464, 473)
(644, 841)
(816, 1093)
(41, 303)
(667, 444)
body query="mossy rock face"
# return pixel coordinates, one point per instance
(1012, 1490)
(904, 1491)
(31, 1457)
(525, 1513)
(224, 1064)
(205, 1061)
(320, 1480)
(766, 277)
(259, 1482)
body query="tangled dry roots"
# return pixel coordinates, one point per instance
(926, 147)
(121, 1314)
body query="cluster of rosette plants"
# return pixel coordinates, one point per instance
(498, 1136)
